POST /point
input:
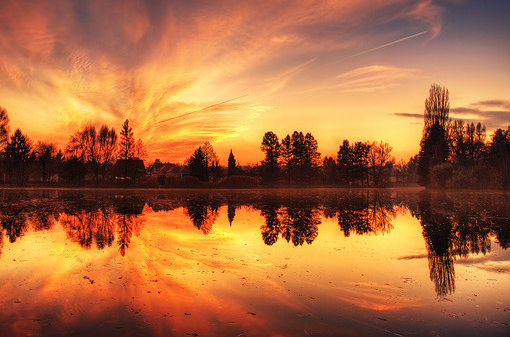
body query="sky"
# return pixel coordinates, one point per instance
(226, 71)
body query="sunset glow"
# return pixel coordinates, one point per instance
(184, 72)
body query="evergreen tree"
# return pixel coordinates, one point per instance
(271, 148)
(127, 142)
(231, 164)
(344, 160)
(198, 165)
(17, 155)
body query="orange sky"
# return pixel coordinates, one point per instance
(338, 69)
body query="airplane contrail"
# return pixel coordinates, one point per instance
(387, 44)
(195, 111)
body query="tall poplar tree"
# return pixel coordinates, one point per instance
(434, 148)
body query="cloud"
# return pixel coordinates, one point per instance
(371, 78)
(409, 115)
(493, 113)
(68, 63)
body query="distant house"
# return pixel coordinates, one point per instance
(171, 170)
(168, 170)
(131, 169)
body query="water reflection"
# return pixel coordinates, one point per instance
(453, 226)
(459, 226)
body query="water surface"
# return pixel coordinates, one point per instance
(249, 263)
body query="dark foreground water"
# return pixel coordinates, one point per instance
(254, 263)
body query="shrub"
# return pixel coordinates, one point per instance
(238, 182)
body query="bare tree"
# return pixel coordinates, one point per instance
(140, 149)
(107, 148)
(379, 158)
(437, 107)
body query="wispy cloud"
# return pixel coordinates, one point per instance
(386, 44)
(66, 63)
(492, 113)
(371, 78)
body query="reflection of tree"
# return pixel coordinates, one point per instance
(202, 213)
(438, 235)
(298, 224)
(273, 226)
(80, 227)
(105, 233)
(459, 225)
(501, 229)
(364, 214)
(14, 224)
(231, 210)
(127, 225)
(100, 226)
(1, 242)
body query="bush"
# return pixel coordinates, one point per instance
(440, 174)
(238, 182)
(191, 182)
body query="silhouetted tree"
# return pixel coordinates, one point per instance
(4, 128)
(345, 162)
(140, 149)
(198, 165)
(271, 148)
(85, 145)
(74, 170)
(231, 164)
(107, 148)
(17, 154)
(329, 171)
(45, 154)
(499, 157)
(379, 159)
(127, 142)
(304, 160)
(353, 162)
(434, 148)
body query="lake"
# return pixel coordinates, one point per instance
(317, 262)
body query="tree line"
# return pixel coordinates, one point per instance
(452, 154)
(296, 160)
(455, 154)
(89, 152)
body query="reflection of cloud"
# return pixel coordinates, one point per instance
(412, 257)
(66, 63)
(375, 296)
